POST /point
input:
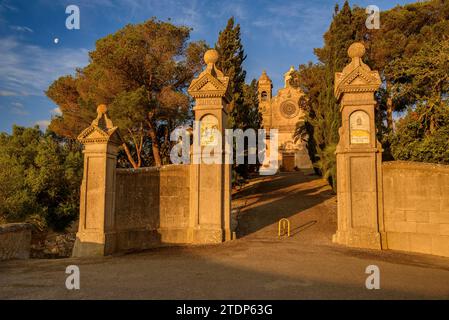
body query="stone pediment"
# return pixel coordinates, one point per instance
(356, 76)
(101, 130)
(207, 86)
(359, 80)
(95, 134)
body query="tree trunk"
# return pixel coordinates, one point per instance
(432, 124)
(139, 153)
(138, 148)
(154, 144)
(130, 157)
(390, 110)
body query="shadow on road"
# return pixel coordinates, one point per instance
(234, 271)
(274, 198)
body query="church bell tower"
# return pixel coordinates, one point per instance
(265, 88)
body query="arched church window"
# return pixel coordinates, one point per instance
(264, 96)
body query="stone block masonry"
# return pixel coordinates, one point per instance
(416, 207)
(152, 207)
(124, 210)
(15, 241)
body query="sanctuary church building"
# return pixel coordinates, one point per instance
(283, 112)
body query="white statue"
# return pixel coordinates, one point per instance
(288, 76)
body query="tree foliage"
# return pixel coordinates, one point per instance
(244, 105)
(230, 62)
(410, 51)
(414, 142)
(320, 127)
(142, 72)
(40, 175)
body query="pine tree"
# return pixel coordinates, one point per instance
(141, 72)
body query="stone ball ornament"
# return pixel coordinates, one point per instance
(102, 109)
(356, 50)
(211, 56)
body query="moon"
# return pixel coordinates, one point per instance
(56, 40)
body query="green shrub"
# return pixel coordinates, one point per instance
(40, 175)
(414, 141)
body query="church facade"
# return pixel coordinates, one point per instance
(283, 112)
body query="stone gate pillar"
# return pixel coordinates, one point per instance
(359, 155)
(210, 182)
(96, 232)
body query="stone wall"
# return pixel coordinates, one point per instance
(152, 206)
(416, 207)
(15, 241)
(137, 209)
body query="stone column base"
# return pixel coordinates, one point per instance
(175, 236)
(92, 244)
(207, 236)
(358, 238)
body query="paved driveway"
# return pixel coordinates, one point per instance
(256, 266)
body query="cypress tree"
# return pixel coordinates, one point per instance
(232, 55)
(324, 117)
(244, 105)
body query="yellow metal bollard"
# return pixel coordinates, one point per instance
(284, 224)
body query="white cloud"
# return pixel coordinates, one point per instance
(295, 24)
(7, 93)
(226, 9)
(293, 9)
(43, 124)
(180, 12)
(18, 108)
(190, 17)
(28, 69)
(5, 5)
(21, 29)
(5, 8)
(56, 111)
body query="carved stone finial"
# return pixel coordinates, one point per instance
(211, 56)
(102, 109)
(356, 76)
(211, 82)
(101, 130)
(356, 50)
(102, 119)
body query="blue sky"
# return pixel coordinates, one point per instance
(276, 35)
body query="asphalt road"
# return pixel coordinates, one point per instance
(256, 266)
